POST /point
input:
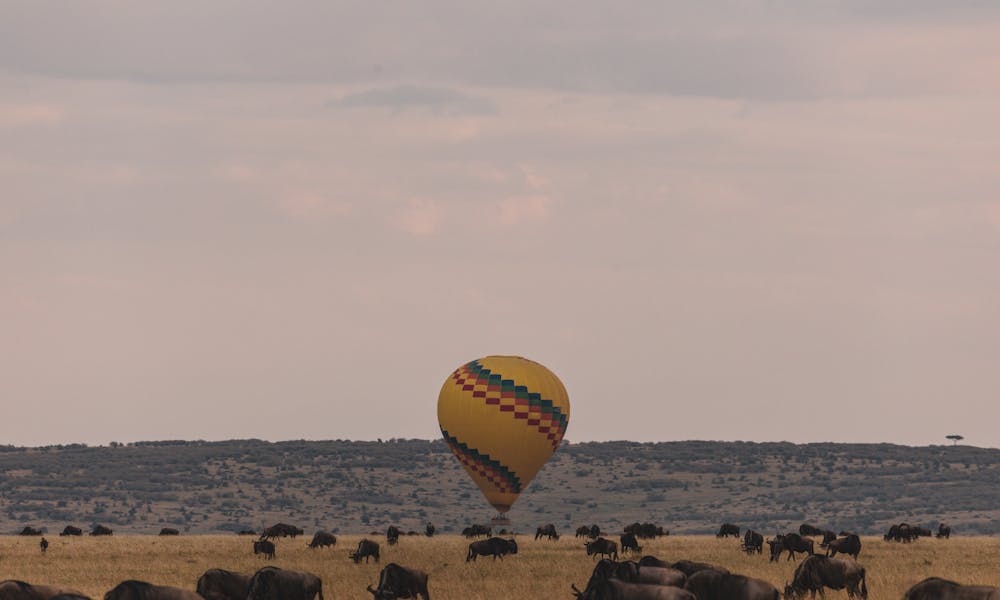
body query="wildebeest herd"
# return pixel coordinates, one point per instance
(612, 578)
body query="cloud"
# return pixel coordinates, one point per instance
(27, 115)
(437, 100)
(421, 217)
(518, 209)
(301, 204)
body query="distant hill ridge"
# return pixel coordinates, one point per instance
(359, 486)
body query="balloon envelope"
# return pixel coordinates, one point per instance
(503, 417)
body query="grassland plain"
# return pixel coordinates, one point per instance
(542, 569)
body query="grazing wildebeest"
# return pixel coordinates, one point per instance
(169, 531)
(792, 543)
(645, 531)
(430, 529)
(728, 529)
(494, 546)
(392, 535)
(400, 582)
(629, 543)
(265, 547)
(900, 533)
(944, 531)
(602, 547)
(935, 588)
(753, 542)
(713, 585)
(690, 567)
(272, 583)
(807, 529)
(595, 532)
(140, 590)
(13, 589)
(828, 536)
(246, 532)
(652, 575)
(849, 545)
(366, 549)
(281, 530)
(219, 584)
(101, 530)
(652, 561)
(582, 531)
(322, 539)
(548, 531)
(921, 532)
(71, 530)
(615, 589)
(818, 572)
(30, 531)
(474, 531)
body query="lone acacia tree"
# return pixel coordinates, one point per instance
(955, 438)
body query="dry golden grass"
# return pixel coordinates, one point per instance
(542, 569)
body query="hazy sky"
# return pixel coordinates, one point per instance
(756, 220)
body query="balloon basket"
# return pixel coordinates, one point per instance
(500, 520)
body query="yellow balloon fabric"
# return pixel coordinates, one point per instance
(503, 417)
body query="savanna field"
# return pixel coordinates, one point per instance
(542, 569)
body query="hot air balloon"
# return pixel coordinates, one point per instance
(503, 417)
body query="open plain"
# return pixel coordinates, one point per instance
(541, 569)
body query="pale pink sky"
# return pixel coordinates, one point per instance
(758, 221)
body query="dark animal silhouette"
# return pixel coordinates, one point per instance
(615, 589)
(30, 531)
(71, 530)
(246, 532)
(602, 547)
(807, 529)
(366, 549)
(548, 531)
(645, 531)
(709, 584)
(728, 529)
(819, 572)
(169, 531)
(474, 531)
(44, 545)
(582, 531)
(935, 588)
(101, 530)
(849, 545)
(272, 583)
(791, 543)
(322, 539)
(430, 530)
(494, 546)
(629, 543)
(396, 581)
(219, 584)
(14, 589)
(753, 542)
(141, 590)
(392, 535)
(944, 531)
(281, 530)
(265, 547)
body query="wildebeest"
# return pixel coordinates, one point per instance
(629, 543)
(710, 584)
(807, 529)
(753, 542)
(595, 532)
(322, 539)
(400, 582)
(828, 536)
(272, 583)
(474, 531)
(602, 547)
(728, 529)
(849, 545)
(44, 545)
(818, 572)
(646, 531)
(13, 589)
(169, 531)
(219, 584)
(921, 532)
(265, 547)
(791, 543)
(28, 530)
(944, 531)
(582, 531)
(632, 572)
(900, 533)
(366, 549)
(141, 590)
(494, 546)
(69, 597)
(430, 530)
(246, 532)
(392, 535)
(281, 530)
(690, 567)
(71, 530)
(615, 589)
(101, 530)
(935, 588)
(548, 530)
